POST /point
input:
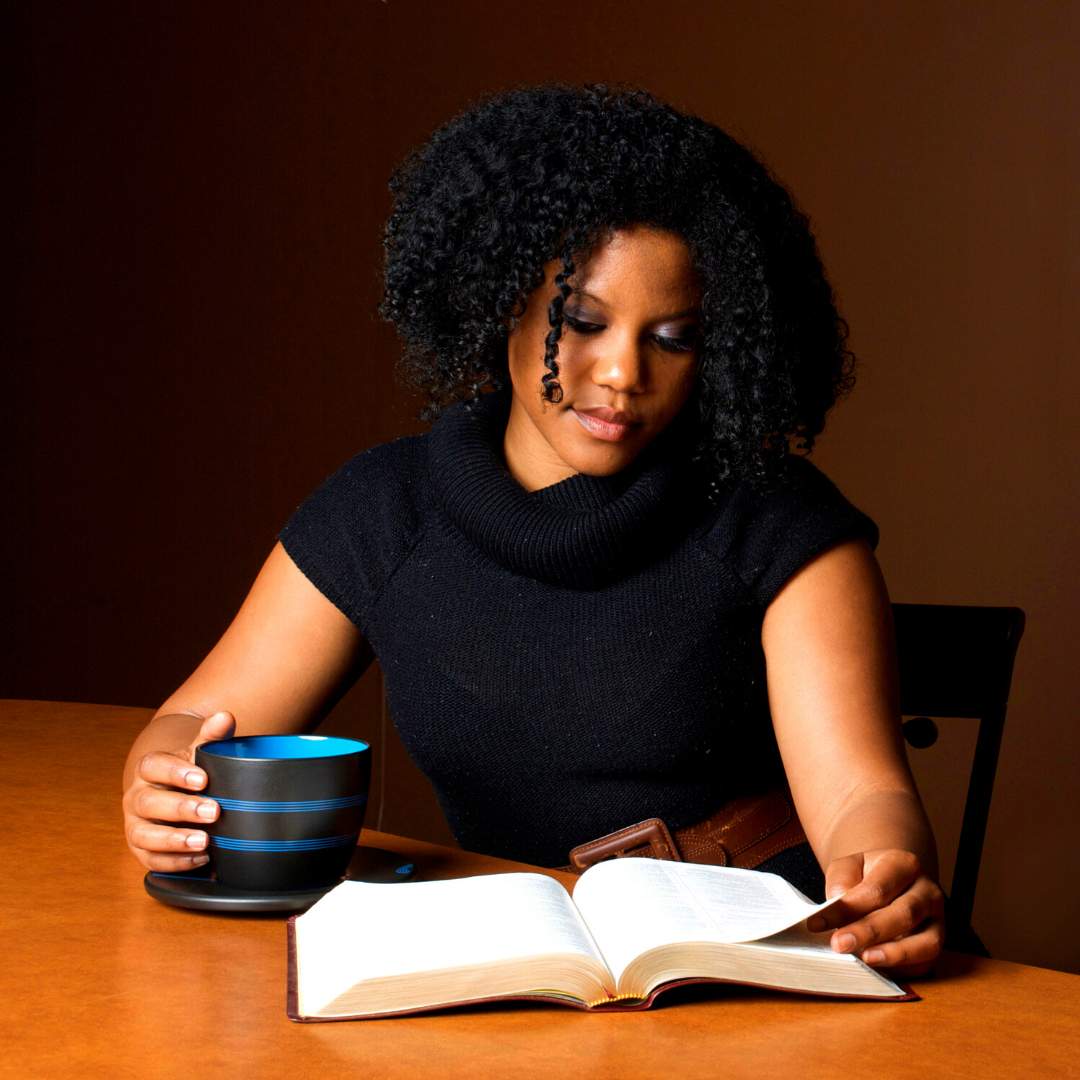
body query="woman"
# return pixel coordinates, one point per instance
(613, 589)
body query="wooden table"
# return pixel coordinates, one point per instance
(101, 980)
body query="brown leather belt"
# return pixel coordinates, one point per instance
(743, 832)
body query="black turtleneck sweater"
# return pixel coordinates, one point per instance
(564, 663)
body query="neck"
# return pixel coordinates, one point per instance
(580, 531)
(529, 457)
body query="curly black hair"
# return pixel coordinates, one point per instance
(543, 174)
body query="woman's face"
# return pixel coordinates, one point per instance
(627, 359)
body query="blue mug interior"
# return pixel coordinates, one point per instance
(284, 747)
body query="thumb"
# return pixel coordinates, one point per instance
(214, 728)
(843, 874)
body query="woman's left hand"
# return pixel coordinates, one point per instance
(892, 914)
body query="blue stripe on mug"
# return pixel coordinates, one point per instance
(247, 806)
(232, 844)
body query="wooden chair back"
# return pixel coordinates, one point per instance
(958, 662)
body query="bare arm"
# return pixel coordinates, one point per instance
(280, 667)
(830, 657)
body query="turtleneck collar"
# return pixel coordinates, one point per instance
(582, 533)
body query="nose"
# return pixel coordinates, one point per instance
(621, 366)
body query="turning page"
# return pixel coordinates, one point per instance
(633, 905)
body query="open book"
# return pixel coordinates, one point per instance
(633, 928)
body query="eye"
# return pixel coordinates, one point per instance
(579, 326)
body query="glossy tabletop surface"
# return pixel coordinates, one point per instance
(102, 980)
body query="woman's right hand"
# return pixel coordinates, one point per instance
(164, 789)
(281, 665)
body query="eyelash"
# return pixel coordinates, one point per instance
(675, 345)
(666, 344)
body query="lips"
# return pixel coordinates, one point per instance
(607, 424)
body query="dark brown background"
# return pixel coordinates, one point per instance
(191, 343)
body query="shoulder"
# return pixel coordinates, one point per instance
(353, 532)
(384, 482)
(766, 535)
(391, 470)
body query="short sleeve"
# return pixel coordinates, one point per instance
(353, 533)
(765, 537)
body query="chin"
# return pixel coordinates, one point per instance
(601, 459)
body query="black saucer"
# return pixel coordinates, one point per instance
(196, 890)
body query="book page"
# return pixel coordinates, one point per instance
(815, 966)
(800, 940)
(362, 931)
(746, 905)
(633, 905)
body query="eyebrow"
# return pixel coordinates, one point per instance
(692, 313)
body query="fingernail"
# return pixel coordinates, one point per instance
(815, 923)
(207, 810)
(201, 860)
(196, 840)
(873, 956)
(194, 778)
(844, 943)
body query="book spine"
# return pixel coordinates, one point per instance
(908, 995)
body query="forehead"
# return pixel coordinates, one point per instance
(640, 264)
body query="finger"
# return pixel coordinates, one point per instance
(171, 770)
(170, 864)
(160, 804)
(911, 955)
(884, 879)
(215, 728)
(924, 900)
(150, 836)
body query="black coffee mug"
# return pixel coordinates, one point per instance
(291, 808)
